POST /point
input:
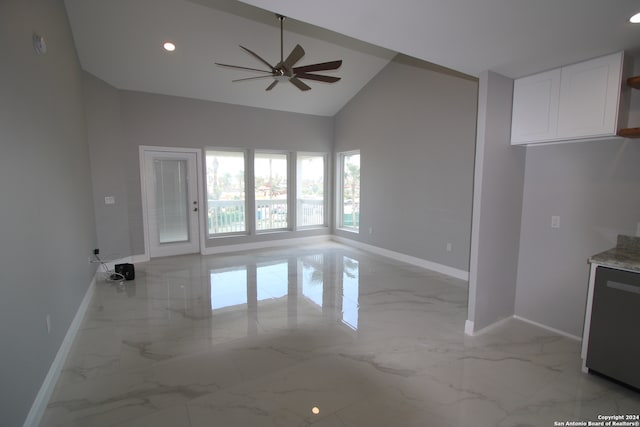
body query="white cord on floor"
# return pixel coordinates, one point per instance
(111, 276)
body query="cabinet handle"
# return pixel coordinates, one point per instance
(623, 287)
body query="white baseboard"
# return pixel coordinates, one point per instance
(138, 258)
(267, 244)
(44, 394)
(419, 262)
(230, 248)
(549, 328)
(111, 265)
(470, 325)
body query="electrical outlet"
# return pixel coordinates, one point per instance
(96, 251)
(370, 230)
(48, 321)
(555, 221)
(449, 247)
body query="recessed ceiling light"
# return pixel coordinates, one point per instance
(635, 18)
(169, 46)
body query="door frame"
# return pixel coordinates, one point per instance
(142, 149)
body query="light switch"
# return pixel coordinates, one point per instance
(555, 221)
(109, 200)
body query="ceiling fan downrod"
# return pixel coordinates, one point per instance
(281, 19)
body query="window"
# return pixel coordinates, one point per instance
(225, 192)
(349, 190)
(271, 191)
(310, 205)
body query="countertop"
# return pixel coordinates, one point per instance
(625, 256)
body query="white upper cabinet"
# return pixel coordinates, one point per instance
(589, 96)
(535, 107)
(578, 101)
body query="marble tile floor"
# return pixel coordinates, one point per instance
(321, 335)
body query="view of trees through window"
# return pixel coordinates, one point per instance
(270, 180)
(225, 192)
(268, 191)
(350, 177)
(310, 199)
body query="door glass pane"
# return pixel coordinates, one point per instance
(225, 192)
(271, 191)
(310, 203)
(172, 208)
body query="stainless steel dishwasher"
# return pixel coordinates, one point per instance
(614, 337)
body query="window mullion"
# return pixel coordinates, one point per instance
(250, 193)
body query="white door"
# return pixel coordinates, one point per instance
(172, 209)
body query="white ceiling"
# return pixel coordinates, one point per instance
(120, 41)
(511, 37)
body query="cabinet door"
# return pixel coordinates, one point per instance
(589, 98)
(535, 108)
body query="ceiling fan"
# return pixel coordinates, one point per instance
(285, 70)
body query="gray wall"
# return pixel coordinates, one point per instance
(106, 145)
(497, 206)
(46, 214)
(159, 120)
(415, 126)
(595, 189)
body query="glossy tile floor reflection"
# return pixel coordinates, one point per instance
(267, 338)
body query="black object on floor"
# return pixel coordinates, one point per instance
(127, 270)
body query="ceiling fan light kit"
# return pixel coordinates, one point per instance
(285, 71)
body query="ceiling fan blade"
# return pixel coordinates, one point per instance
(259, 58)
(251, 78)
(327, 79)
(299, 83)
(272, 85)
(323, 66)
(296, 55)
(242, 68)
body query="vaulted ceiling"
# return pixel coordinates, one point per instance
(120, 41)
